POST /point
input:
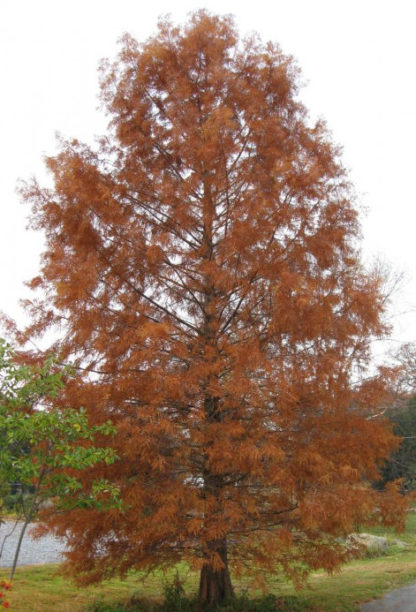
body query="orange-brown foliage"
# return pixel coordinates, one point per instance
(203, 269)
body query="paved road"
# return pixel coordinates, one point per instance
(399, 600)
(47, 549)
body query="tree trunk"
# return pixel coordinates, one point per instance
(29, 514)
(18, 547)
(215, 585)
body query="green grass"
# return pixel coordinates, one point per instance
(42, 589)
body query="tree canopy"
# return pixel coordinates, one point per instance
(202, 267)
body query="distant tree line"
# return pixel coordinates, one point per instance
(402, 463)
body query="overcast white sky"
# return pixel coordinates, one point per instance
(358, 58)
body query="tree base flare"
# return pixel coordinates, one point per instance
(214, 586)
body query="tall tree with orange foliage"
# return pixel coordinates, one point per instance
(202, 266)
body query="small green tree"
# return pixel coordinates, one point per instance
(45, 448)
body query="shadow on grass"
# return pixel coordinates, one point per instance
(268, 603)
(175, 600)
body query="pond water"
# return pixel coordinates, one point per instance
(47, 549)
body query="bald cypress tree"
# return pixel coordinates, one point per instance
(202, 266)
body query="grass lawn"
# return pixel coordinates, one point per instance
(41, 588)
